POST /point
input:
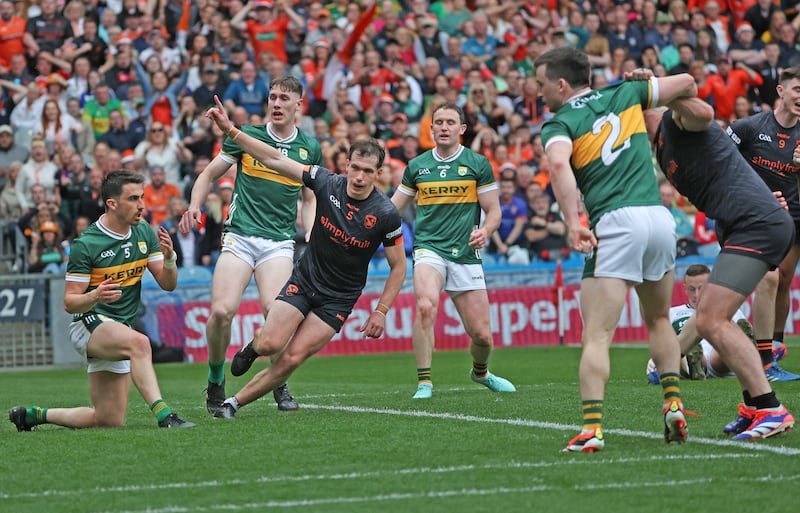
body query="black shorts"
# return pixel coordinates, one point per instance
(332, 310)
(768, 239)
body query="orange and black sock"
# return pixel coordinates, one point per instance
(764, 346)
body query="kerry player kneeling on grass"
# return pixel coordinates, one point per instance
(103, 291)
(352, 219)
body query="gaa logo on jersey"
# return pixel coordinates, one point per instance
(462, 170)
(370, 221)
(303, 153)
(142, 247)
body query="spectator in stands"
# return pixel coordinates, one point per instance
(10, 207)
(766, 94)
(169, 57)
(545, 231)
(48, 31)
(87, 195)
(249, 91)
(210, 243)
(211, 86)
(97, 110)
(267, 33)
(38, 169)
(186, 246)
(157, 195)
(684, 228)
(746, 47)
(88, 45)
(12, 28)
(512, 221)
(46, 253)
(758, 15)
(117, 136)
(27, 114)
(9, 150)
(83, 140)
(55, 126)
(161, 150)
(727, 84)
(706, 235)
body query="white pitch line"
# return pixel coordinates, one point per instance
(442, 494)
(513, 465)
(785, 451)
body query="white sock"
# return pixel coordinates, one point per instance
(233, 402)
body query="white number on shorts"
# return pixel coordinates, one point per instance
(608, 154)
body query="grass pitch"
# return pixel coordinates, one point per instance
(360, 443)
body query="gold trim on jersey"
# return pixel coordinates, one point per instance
(125, 275)
(452, 192)
(588, 147)
(254, 168)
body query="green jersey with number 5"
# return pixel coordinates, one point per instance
(611, 155)
(264, 202)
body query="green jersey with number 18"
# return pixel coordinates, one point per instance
(611, 155)
(447, 192)
(99, 254)
(264, 202)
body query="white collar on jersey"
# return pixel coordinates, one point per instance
(451, 158)
(111, 233)
(272, 134)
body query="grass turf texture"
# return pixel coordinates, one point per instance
(360, 443)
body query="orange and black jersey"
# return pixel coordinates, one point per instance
(768, 147)
(345, 235)
(707, 168)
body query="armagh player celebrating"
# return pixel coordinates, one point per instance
(352, 219)
(260, 228)
(453, 184)
(770, 142)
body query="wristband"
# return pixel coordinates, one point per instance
(171, 263)
(382, 309)
(233, 133)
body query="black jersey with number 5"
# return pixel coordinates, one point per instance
(346, 234)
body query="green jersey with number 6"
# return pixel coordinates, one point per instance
(611, 155)
(264, 202)
(447, 192)
(99, 254)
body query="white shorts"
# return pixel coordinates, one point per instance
(633, 244)
(457, 277)
(711, 373)
(79, 335)
(255, 250)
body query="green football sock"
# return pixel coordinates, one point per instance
(160, 410)
(216, 372)
(35, 416)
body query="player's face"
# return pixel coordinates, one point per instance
(694, 286)
(447, 128)
(361, 174)
(790, 95)
(129, 207)
(549, 90)
(282, 106)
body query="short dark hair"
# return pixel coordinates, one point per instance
(368, 148)
(116, 180)
(450, 106)
(287, 83)
(697, 270)
(568, 63)
(789, 73)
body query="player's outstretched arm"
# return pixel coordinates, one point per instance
(266, 154)
(692, 114)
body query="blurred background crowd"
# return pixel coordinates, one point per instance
(90, 86)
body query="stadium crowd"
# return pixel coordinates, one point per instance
(90, 87)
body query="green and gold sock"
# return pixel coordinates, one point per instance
(592, 414)
(216, 372)
(35, 416)
(671, 386)
(479, 370)
(424, 376)
(160, 410)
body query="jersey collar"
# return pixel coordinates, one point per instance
(451, 158)
(275, 137)
(114, 235)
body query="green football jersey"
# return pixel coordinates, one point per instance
(99, 254)
(264, 202)
(447, 201)
(611, 154)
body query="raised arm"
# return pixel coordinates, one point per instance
(266, 154)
